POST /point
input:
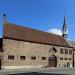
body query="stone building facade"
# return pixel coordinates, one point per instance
(27, 54)
(29, 48)
(23, 47)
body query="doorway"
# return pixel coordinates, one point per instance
(52, 61)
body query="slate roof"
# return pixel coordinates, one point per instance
(13, 31)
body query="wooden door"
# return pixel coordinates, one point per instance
(52, 61)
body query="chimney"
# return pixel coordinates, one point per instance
(4, 18)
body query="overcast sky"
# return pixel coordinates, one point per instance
(45, 15)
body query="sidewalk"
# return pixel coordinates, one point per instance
(13, 71)
(41, 70)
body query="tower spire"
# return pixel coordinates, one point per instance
(4, 18)
(65, 29)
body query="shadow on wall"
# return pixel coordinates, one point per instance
(35, 73)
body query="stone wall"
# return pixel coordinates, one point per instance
(28, 49)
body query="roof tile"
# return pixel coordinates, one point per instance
(28, 34)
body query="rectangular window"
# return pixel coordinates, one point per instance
(65, 58)
(33, 58)
(22, 57)
(43, 58)
(70, 51)
(61, 50)
(11, 57)
(69, 58)
(61, 58)
(66, 51)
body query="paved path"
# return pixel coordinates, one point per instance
(36, 73)
(40, 71)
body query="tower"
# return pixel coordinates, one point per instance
(4, 18)
(65, 29)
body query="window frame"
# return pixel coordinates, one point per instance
(61, 58)
(33, 57)
(70, 52)
(70, 59)
(65, 58)
(61, 51)
(43, 58)
(66, 51)
(22, 57)
(11, 57)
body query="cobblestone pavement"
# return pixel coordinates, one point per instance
(39, 71)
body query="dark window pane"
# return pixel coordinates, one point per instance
(10, 57)
(61, 58)
(22, 57)
(65, 58)
(69, 58)
(66, 51)
(43, 58)
(33, 58)
(70, 51)
(61, 50)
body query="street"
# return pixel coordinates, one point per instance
(39, 71)
(36, 73)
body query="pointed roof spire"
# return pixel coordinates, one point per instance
(65, 28)
(64, 24)
(4, 18)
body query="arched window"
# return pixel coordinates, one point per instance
(53, 50)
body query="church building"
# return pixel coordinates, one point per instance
(23, 47)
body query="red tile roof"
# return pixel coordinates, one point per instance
(28, 34)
